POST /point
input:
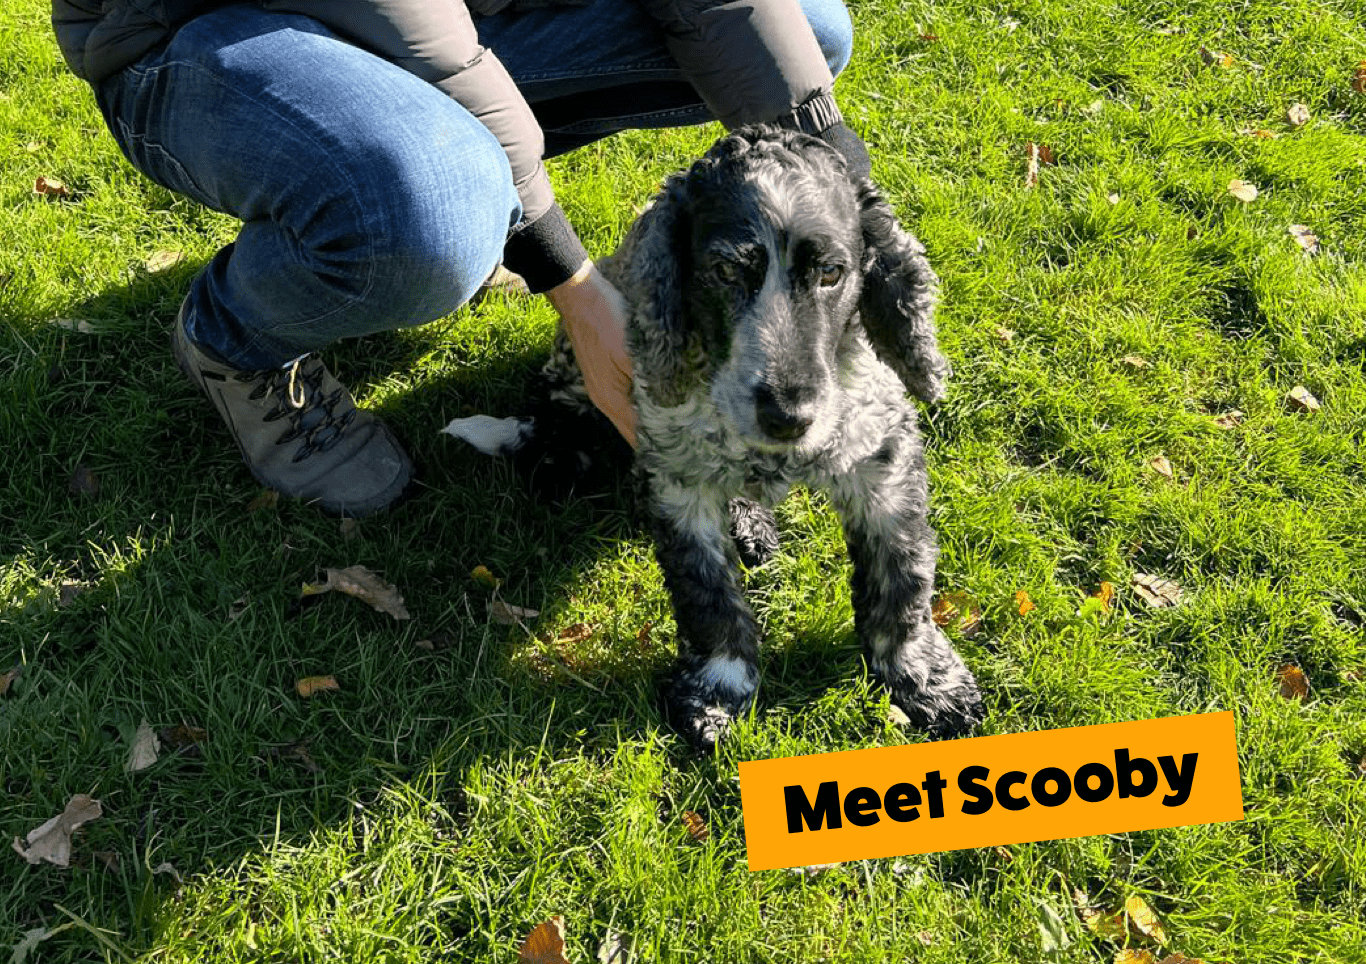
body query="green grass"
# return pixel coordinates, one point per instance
(459, 795)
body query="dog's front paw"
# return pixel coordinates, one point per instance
(754, 530)
(702, 697)
(941, 697)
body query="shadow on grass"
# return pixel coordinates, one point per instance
(186, 613)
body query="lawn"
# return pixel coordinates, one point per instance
(1126, 334)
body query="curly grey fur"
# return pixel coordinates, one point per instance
(778, 313)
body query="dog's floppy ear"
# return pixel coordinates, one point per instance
(649, 268)
(898, 299)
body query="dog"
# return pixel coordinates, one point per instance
(778, 313)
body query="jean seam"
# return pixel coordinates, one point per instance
(646, 67)
(586, 125)
(345, 178)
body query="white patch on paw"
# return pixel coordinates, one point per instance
(728, 673)
(492, 436)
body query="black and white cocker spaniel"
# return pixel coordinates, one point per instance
(778, 313)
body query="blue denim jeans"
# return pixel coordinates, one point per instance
(370, 200)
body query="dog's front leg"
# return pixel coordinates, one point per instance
(717, 672)
(882, 504)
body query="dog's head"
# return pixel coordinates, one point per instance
(761, 261)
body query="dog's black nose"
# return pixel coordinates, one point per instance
(778, 420)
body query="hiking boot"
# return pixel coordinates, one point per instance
(300, 431)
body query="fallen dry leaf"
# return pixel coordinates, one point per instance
(364, 585)
(1261, 133)
(163, 261)
(1039, 154)
(481, 575)
(929, 37)
(1229, 419)
(1293, 682)
(1303, 399)
(310, 685)
(8, 677)
(1135, 361)
(52, 841)
(957, 609)
(1297, 115)
(1145, 919)
(182, 736)
(1135, 955)
(166, 867)
(576, 633)
(31, 939)
(1156, 592)
(143, 752)
(50, 187)
(1023, 603)
(1213, 58)
(1305, 238)
(697, 827)
(1005, 334)
(545, 944)
(1180, 959)
(1112, 198)
(1161, 466)
(1359, 78)
(509, 615)
(82, 325)
(238, 607)
(1244, 191)
(614, 949)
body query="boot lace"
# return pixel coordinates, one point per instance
(299, 399)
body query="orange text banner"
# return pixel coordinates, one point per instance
(991, 790)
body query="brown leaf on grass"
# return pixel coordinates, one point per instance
(481, 575)
(1144, 919)
(1039, 155)
(309, 685)
(1155, 591)
(1180, 959)
(1293, 682)
(1135, 955)
(163, 261)
(1305, 238)
(1108, 927)
(1005, 335)
(182, 736)
(1303, 399)
(1297, 115)
(1229, 419)
(143, 752)
(1136, 361)
(698, 830)
(50, 187)
(1359, 78)
(1161, 466)
(366, 586)
(929, 37)
(8, 677)
(957, 609)
(1244, 191)
(1261, 133)
(576, 633)
(239, 607)
(507, 614)
(1023, 603)
(545, 944)
(52, 841)
(1214, 58)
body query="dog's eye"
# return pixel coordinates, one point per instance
(727, 272)
(830, 275)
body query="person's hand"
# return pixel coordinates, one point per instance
(594, 316)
